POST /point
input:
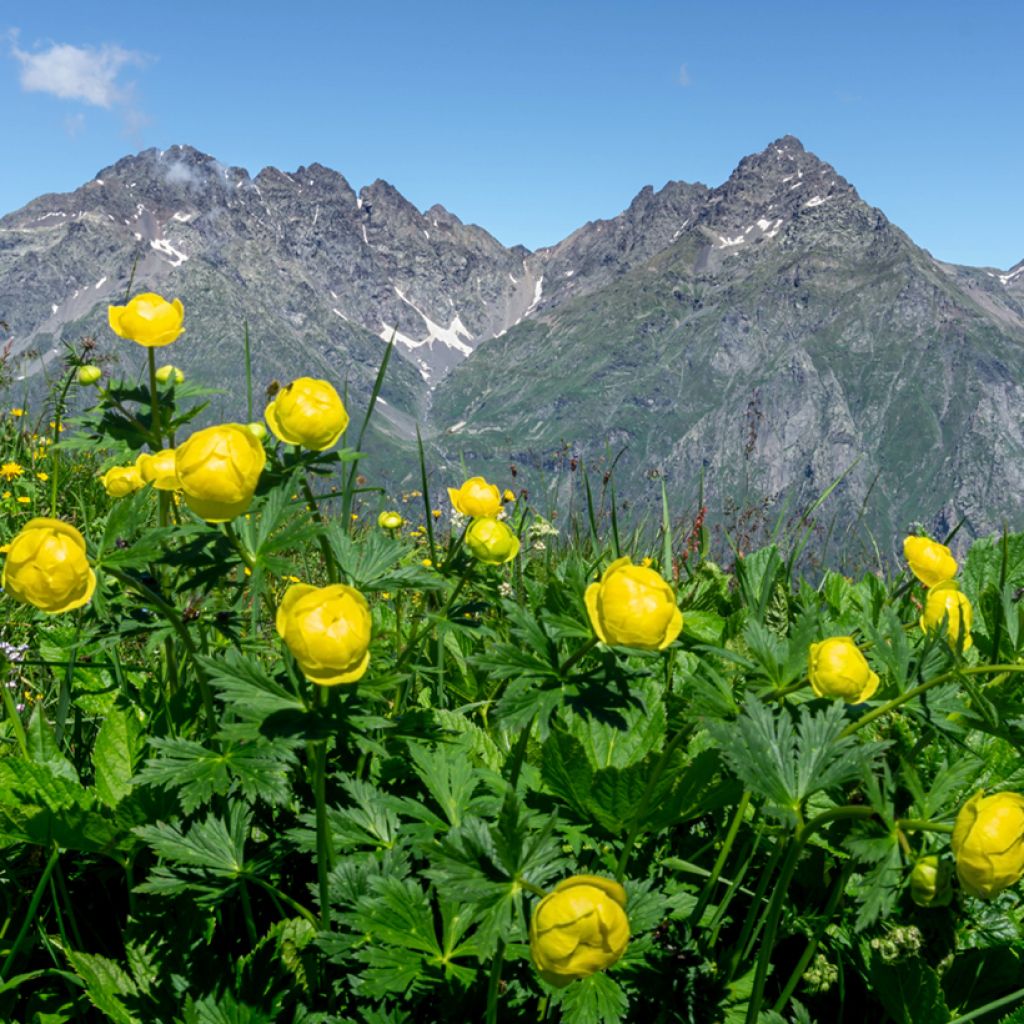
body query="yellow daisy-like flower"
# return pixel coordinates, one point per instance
(9, 470)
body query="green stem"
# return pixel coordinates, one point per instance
(324, 849)
(278, 894)
(494, 983)
(250, 924)
(58, 415)
(330, 564)
(30, 917)
(154, 399)
(1013, 997)
(723, 854)
(924, 688)
(921, 825)
(575, 657)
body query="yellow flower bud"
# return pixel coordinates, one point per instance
(837, 668)
(633, 606)
(327, 629)
(389, 521)
(476, 497)
(159, 469)
(46, 566)
(988, 843)
(309, 413)
(169, 373)
(149, 319)
(218, 470)
(578, 929)
(929, 882)
(944, 600)
(120, 481)
(929, 561)
(491, 541)
(88, 374)
(257, 430)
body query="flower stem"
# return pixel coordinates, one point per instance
(324, 849)
(154, 399)
(494, 983)
(30, 916)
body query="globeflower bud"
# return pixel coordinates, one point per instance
(389, 521)
(158, 469)
(149, 320)
(256, 429)
(929, 561)
(218, 470)
(169, 373)
(491, 541)
(46, 566)
(88, 374)
(944, 601)
(327, 629)
(633, 606)
(578, 929)
(309, 413)
(837, 668)
(476, 497)
(929, 882)
(120, 481)
(988, 843)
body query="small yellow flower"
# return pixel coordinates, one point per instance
(929, 561)
(307, 412)
(88, 374)
(9, 470)
(491, 541)
(169, 373)
(6, 495)
(944, 601)
(436, 513)
(43, 476)
(633, 606)
(327, 629)
(354, 517)
(646, 562)
(257, 430)
(578, 929)
(389, 521)
(120, 481)
(476, 497)
(507, 495)
(149, 320)
(17, 412)
(23, 500)
(837, 668)
(988, 843)
(47, 567)
(426, 563)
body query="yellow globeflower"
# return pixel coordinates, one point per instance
(838, 669)
(149, 319)
(929, 561)
(327, 629)
(578, 929)
(120, 481)
(633, 606)
(389, 521)
(169, 373)
(476, 497)
(46, 566)
(158, 469)
(491, 541)
(309, 413)
(88, 374)
(218, 470)
(945, 600)
(988, 843)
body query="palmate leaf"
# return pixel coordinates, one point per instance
(259, 768)
(450, 778)
(785, 763)
(223, 1009)
(594, 1000)
(878, 889)
(105, 983)
(247, 689)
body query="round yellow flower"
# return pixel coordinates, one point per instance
(476, 497)
(46, 566)
(159, 469)
(929, 561)
(309, 413)
(491, 541)
(218, 470)
(120, 481)
(389, 521)
(578, 929)
(837, 668)
(633, 606)
(88, 374)
(945, 600)
(169, 373)
(327, 629)
(149, 319)
(988, 843)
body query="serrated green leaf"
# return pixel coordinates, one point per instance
(115, 755)
(105, 982)
(594, 1000)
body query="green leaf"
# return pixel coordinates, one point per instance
(449, 776)
(705, 627)
(224, 1009)
(909, 990)
(115, 755)
(247, 689)
(594, 1000)
(105, 982)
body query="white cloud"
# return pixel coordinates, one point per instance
(684, 75)
(81, 73)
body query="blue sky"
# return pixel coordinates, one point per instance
(531, 118)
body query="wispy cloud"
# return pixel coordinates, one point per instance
(684, 75)
(85, 73)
